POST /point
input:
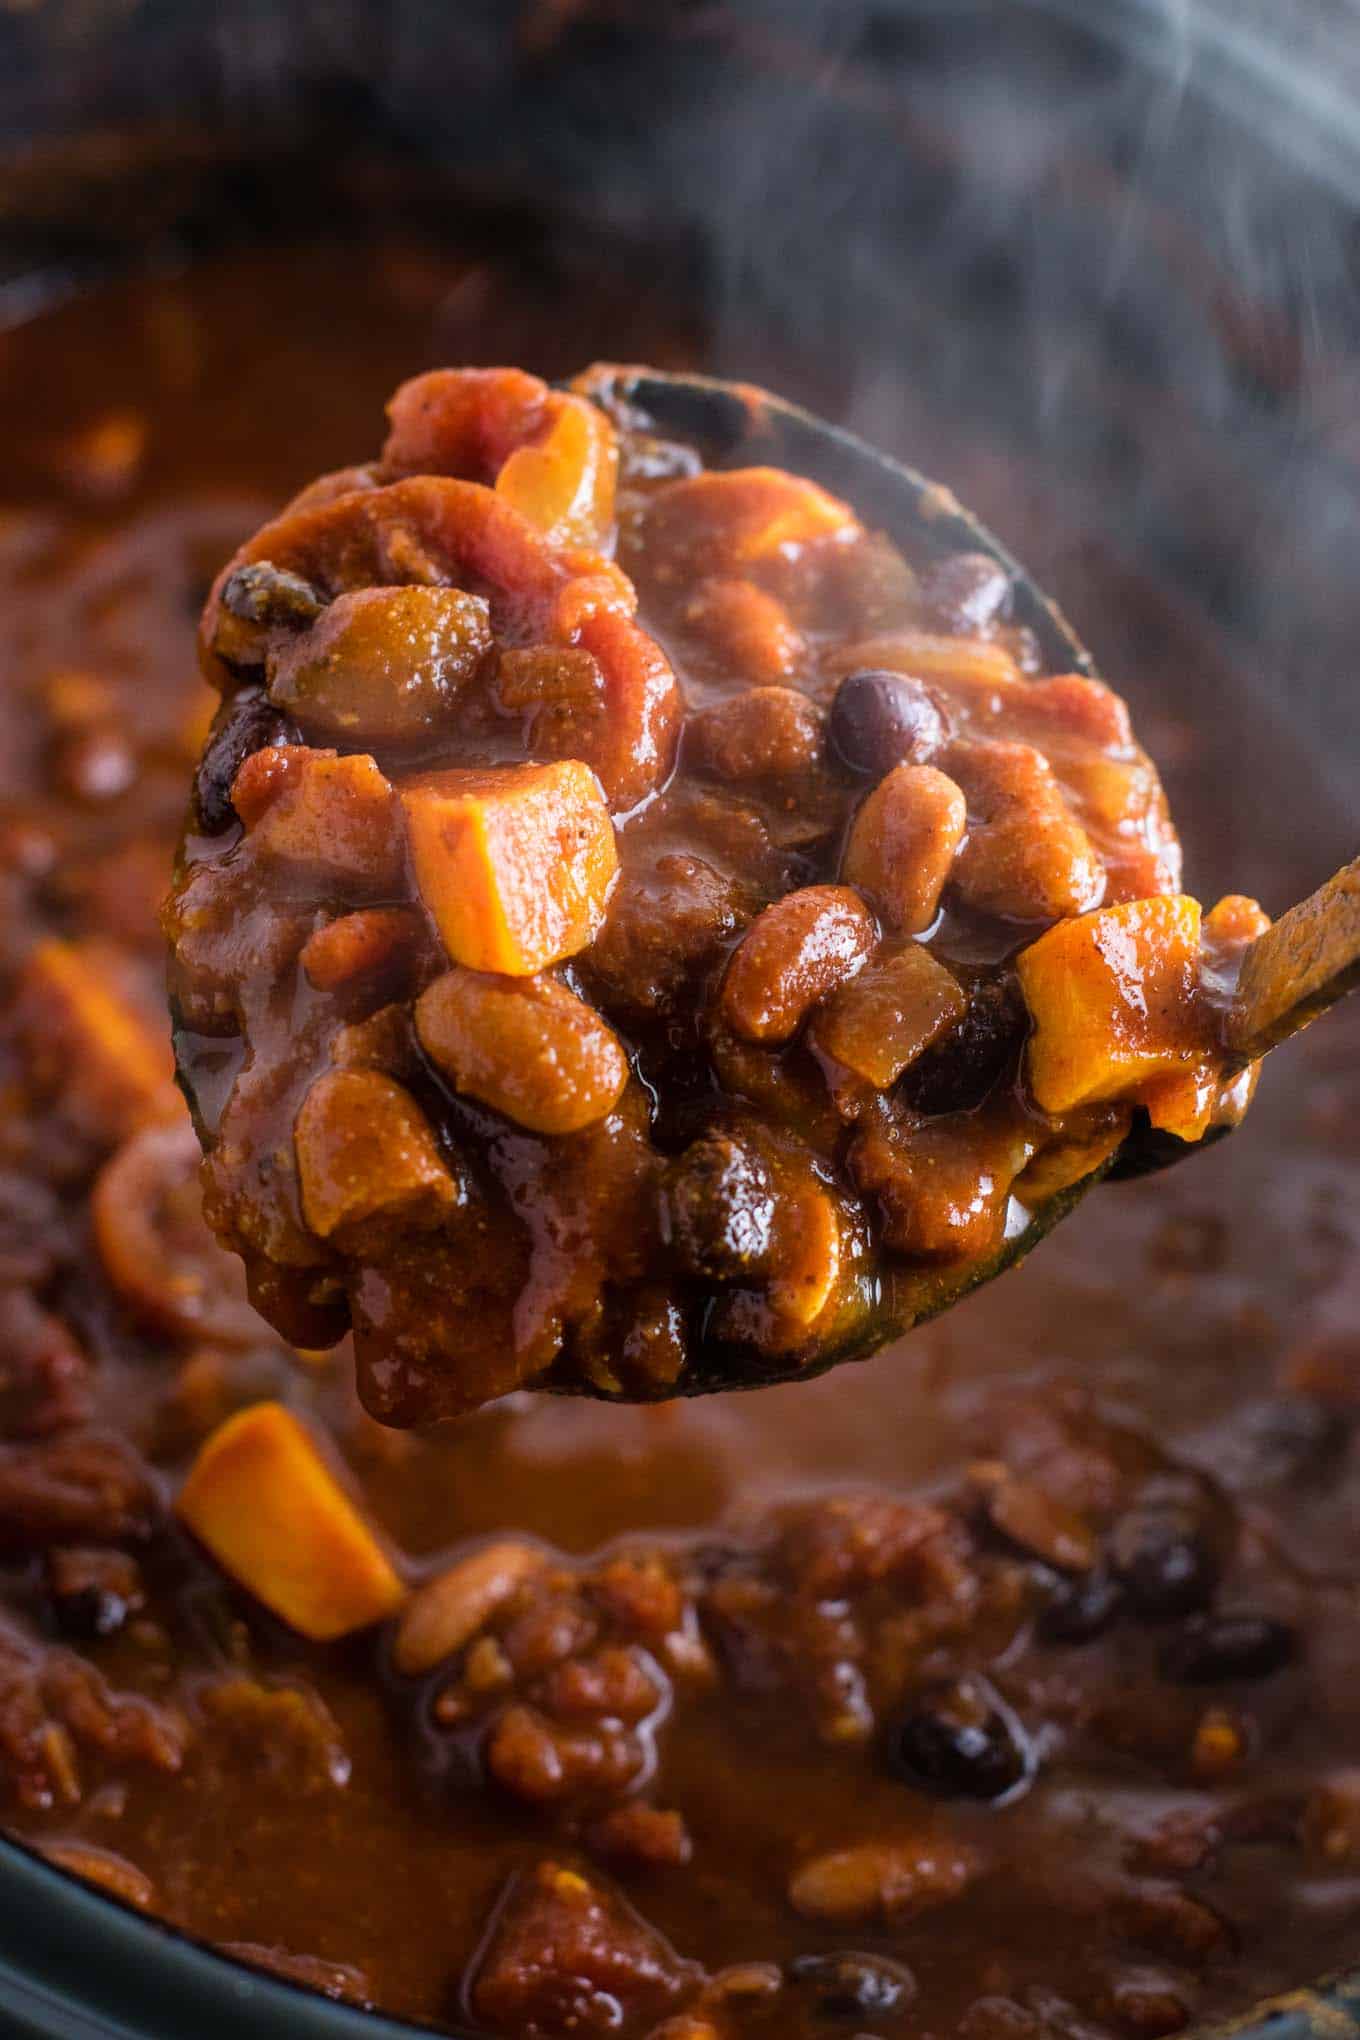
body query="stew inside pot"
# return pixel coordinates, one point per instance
(1002, 1687)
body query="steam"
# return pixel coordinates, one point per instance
(1108, 247)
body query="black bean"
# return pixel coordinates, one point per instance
(92, 1592)
(264, 593)
(881, 719)
(1161, 1551)
(854, 1986)
(968, 1063)
(246, 723)
(719, 1207)
(1213, 1650)
(960, 1740)
(967, 594)
(91, 1613)
(1081, 1608)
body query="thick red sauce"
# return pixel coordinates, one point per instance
(1211, 1311)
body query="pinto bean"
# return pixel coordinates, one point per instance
(882, 1879)
(1027, 857)
(903, 843)
(808, 1253)
(792, 955)
(365, 1150)
(747, 628)
(528, 1047)
(448, 1610)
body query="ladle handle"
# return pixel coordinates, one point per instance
(1302, 965)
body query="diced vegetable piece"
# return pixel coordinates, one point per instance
(1073, 710)
(713, 522)
(1112, 999)
(794, 953)
(532, 679)
(115, 1073)
(330, 815)
(566, 1956)
(515, 864)
(525, 1046)
(891, 1013)
(361, 945)
(264, 774)
(1122, 809)
(366, 1150)
(975, 673)
(382, 665)
(551, 455)
(1188, 1102)
(903, 842)
(942, 1186)
(463, 421)
(564, 483)
(269, 1509)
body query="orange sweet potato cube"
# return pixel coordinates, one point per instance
(327, 814)
(1112, 998)
(80, 1036)
(515, 863)
(366, 1150)
(263, 1500)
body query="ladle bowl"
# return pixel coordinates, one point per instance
(737, 425)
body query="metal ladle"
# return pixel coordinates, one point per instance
(1305, 962)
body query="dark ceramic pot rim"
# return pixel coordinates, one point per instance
(78, 1965)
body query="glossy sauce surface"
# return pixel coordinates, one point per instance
(627, 919)
(1211, 1312)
